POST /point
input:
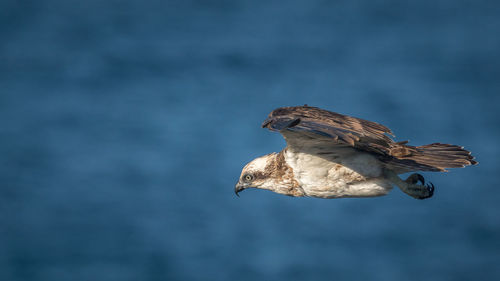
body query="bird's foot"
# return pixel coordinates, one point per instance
(415, 190)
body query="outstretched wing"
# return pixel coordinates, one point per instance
(304, 127)
(314, 130)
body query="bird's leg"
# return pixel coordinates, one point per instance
(410, 186)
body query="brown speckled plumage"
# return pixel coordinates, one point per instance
(281, 172)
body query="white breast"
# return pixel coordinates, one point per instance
(347, 173)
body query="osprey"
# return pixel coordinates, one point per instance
(330, 155)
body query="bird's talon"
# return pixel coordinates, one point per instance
(419, 191)
(415, 178)
(430, 187)
(421, 179)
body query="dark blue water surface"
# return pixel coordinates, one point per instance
(125, 124)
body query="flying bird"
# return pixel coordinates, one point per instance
(330, 155)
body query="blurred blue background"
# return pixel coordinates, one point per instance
(125, 125)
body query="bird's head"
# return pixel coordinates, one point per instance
(258, 174)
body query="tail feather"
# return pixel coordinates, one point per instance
(436, 157)
(442, 156)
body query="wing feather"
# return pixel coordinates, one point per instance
(319, 131)
(327, 126)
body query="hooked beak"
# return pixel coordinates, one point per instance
(238, 188)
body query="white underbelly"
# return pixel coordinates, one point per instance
(347, 174)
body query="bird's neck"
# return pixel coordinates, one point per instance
(282, 173)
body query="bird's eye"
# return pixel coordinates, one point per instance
(248, 177)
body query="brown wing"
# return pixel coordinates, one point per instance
(304, 127)
(320, 124)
